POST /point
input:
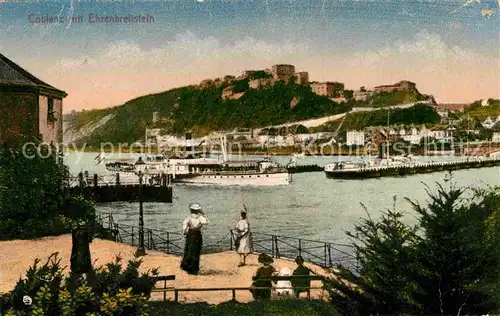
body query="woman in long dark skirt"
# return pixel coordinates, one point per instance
(191, 227)
(80, 251)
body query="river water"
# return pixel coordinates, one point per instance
(311, 207)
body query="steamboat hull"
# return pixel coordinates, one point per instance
(263, 179)
(366, 173)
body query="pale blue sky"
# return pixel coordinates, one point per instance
(325, 37)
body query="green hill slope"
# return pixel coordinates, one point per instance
(478, 112)
(418, 114)
(204, 110)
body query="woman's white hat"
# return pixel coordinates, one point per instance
(195, 206)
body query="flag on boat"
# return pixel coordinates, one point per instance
(99, 158)
(471, 1)
(486, 13)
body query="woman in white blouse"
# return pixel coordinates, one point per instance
(244, 238)
(191, 228)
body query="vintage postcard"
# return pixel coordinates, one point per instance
(245, 157)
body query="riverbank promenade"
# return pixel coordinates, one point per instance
(217, 270)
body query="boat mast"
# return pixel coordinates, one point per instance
(388, 135)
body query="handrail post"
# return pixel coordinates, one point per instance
(234, 294)
(95, 180)
(300, 247)
(230, 239)
(165, 290)
(330, 255)
(176, 295)
(277, 249)
(117, 236)
(272, 246)
(325, 254)
(168, 242)
(132, 235)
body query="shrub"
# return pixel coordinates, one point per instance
(32, 192)
(448, 264)
(43, 282)
(110, 279)
(34, 196)
(109, 291)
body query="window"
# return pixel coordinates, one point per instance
(51, 117)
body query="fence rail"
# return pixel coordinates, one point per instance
(321, 253)
(233, 290)
(118, 179)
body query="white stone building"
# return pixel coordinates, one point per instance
(445, 136)
(496, 137)
(490, 122)
(355, 138)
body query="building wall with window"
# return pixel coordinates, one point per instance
(359, 95)
(328, 89)
(283, 72)
(302, 78)
(355, 138)
(50, 119)
(30, 109)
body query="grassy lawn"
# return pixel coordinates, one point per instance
(291, 307)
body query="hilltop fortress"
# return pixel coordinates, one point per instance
(286, 73)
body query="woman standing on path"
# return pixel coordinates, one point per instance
(192, 230)
(244, 238)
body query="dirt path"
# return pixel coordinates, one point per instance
(217, 270)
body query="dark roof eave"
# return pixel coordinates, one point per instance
(46, 90)
(34, 81)
(52, 92)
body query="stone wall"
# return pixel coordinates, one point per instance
(18, 116)
(302, 78)
(402, 86)
(328, 89)
(283, 72)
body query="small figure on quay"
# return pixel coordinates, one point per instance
(300, 285)
(191, 228)
(80, 252)
(265, 271)
(243, 242)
